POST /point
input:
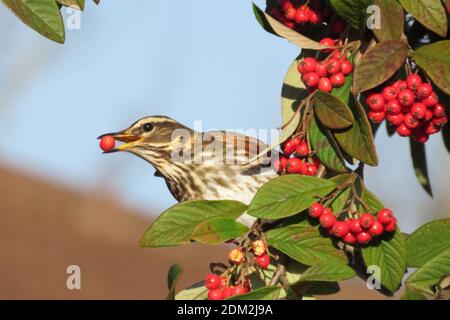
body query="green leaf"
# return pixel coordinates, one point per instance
(379, 64)
(419, 159)
(344, 92)
(392, 20)
(352, 11)
(358, 141)
(41, 15)
(218, 230)
(427, 242)
(421, 282)
(329, 271)
(331, 111)
(288, 195)
(76, 4)
(389, 254)
(372, 201)
(265, 293)
(175, 225)
(174, 274)
(292, 92)
(326, 148)
(195, 292)
(430, 13)
(434, 59)
(305, 244)
(274, 26)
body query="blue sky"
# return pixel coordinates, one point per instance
(195, 60)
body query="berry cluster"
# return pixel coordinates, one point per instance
(219, 287)
(327, 74)
(299, 16)
(298, 163)
(411, 106)
(360, 230)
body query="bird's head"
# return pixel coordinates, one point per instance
(152, 138)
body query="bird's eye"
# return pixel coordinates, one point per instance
(147, 127)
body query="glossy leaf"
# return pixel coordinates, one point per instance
(292, 92)
(274, 26)
(427, 242)
(389, 254)
(265, 293)
(195, 292)
(76, 4)
(288, 195)
(326, 148)
(41, 15)
(428, 276)
(434, 59)
(305, 244)
(352, 11)
(358, 141)
(174, 274)
(419, 159)
(379, 64)
(329, 271)
(175, 225)
(392, 20)
(430, 13)
(331, 111)
(218, 230)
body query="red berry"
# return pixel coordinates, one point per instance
(290, 13)
(107, 143)
(311, 169)
(311, 79)
(376, 229)
(212, 281)
(226, 292)
(288, 23)
(315, 17)
(338, 26)
(302, 149)
(400, 85)
(333, 66)
(413, 81)
(316, 210)
(325, 85)
(375, 102)
(428, 116)
(440, 121)
(308, 64)
(290, 145)
(406, 97)
(346, 67)
(321, 69)
(263, 261)
(337, 80)
(439, 110)
(392, 226)
(338, 55)
(363, 237)
(410, 122)
(280, 164)
(327, 220)
(395, 119)
(418, 110)
(375, 116)
(424, 90)
(389, 93)
(215, 294)
(349, 238)
(385, 216)
(366, 220)
(393, 107)
(355, 226)
(420, 136)
(223, 282)
(294, 165)
(340, 229)
(431, 100)
(302, 16)
(403, 131)
(238, 290)
(328, 42)
(286, 4)
(430, 129)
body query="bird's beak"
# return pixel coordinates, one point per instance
(129, 140)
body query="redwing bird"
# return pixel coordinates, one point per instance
(211, 165)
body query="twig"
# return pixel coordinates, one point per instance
(278, 273)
